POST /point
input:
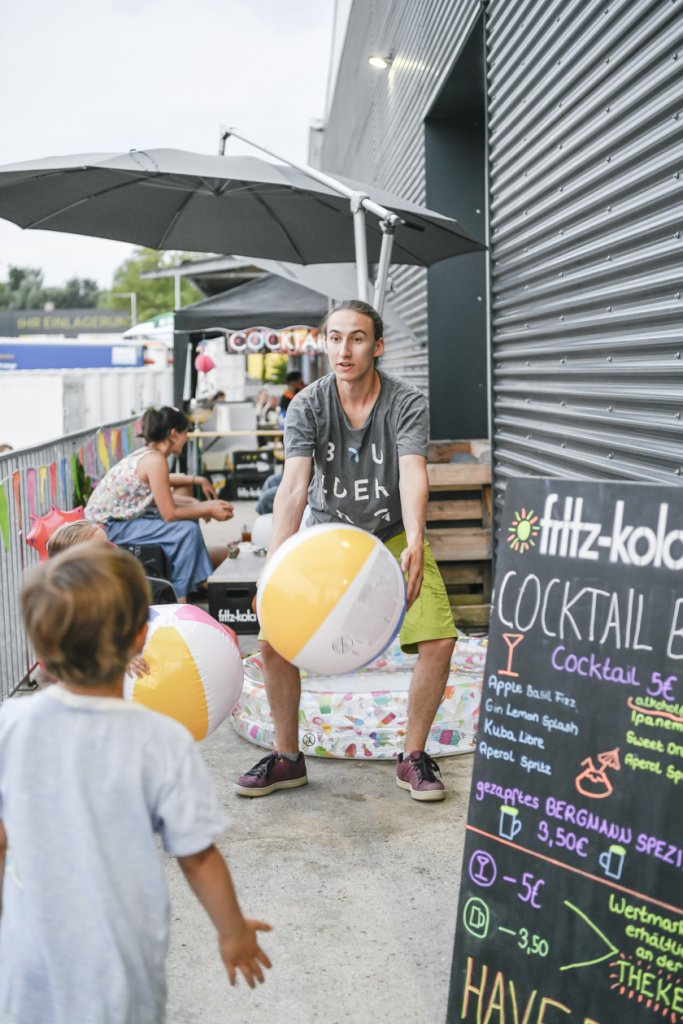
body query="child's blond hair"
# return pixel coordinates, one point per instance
(69, 534)
(83, 610)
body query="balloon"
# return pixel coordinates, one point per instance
(195, 666)
(204, 363)
(262, 530)
(331, 599)
(42, 527)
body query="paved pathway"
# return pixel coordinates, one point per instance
(359, 882)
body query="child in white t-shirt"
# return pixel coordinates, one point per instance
(86, 780)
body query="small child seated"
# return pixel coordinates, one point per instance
(82, 531)
(86, 780)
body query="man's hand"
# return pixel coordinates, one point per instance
(412, 563)
(242, 953)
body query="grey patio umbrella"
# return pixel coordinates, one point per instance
(173, 199)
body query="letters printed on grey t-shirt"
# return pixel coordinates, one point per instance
(356, 471)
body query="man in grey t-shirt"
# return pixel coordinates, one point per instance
(356, 451)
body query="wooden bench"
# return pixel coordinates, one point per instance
(459, 528)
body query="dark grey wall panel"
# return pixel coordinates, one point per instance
(586, 210)
(376, 127)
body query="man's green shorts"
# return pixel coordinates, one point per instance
(430, 617)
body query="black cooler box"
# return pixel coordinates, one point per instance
(232, 589)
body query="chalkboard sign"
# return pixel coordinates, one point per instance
(571, 901)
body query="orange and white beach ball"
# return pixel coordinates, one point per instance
(196, 672)
(331, 599)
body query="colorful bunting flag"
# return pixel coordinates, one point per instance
(31, 490)
(102, 448)
(62, 476)
(76, 477)
(16, 486)
(4, 516)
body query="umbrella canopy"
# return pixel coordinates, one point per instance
(270, 301)
(173, 199)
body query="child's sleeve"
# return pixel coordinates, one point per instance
(186, 813)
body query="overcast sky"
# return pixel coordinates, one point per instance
(87, 76)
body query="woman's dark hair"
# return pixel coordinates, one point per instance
(157, 424)
(357, 307)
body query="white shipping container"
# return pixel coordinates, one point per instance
(39, 405)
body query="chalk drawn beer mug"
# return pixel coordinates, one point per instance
(509, 823)
(612, 861)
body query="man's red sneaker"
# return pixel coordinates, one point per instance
(416, 773)
(271, 773)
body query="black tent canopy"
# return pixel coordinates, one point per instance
(270, 301)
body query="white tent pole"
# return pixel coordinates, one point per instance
(187, 381)
(389, 221)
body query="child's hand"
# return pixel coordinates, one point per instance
(242, 952)
(138, 667)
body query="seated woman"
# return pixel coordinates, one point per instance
(135, 503)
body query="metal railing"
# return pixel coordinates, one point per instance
(32, 480)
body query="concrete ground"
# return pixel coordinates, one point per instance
(359, 882)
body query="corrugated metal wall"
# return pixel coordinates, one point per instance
(376, 127)
(585, 110)
(586, 156)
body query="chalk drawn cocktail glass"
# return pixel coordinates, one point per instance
(512, 640)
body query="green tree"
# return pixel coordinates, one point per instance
(24, 289)
(77, 293)
(153, 297)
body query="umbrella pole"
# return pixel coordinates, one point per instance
(388, 231)
(361, 243)
(360, 202)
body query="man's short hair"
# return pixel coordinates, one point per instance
(357, 306)
(83, 610)
(293, 376)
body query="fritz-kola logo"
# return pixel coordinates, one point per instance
(228, 615)
(523, 531)
(568, 535)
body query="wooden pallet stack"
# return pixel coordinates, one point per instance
(459, 528)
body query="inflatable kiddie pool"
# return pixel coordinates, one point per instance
(363, 715)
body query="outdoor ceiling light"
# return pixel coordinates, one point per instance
(381, 62)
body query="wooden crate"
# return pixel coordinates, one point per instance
(459, 528)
